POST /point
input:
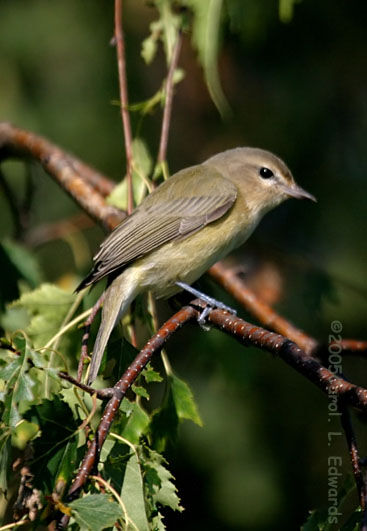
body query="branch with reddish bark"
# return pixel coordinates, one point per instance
(86, 186)
(166, 120)
(81, 182)
(121, 64)
(248, 335)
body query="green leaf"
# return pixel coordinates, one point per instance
(18, 384)
(286, 8)
(5, 460)
(47, 307)
(151, 375)
(140, 391)
(319, 519)
(95, 512)
(16, 263)
(164, 29)
(54, 449)
(23, 433)
(67, 462)
(132, 493)
(159, 481)
(24, 261)
(184, 400)
(178, 404)
(206, 36)
(316, 521)
(137, 421)
(150, 44)
(142, 166)
(164, 424)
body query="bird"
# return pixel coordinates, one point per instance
(188, 223)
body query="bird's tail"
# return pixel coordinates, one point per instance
(121, 292)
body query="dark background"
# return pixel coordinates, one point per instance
(298, 89)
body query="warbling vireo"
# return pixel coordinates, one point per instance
(188, 223)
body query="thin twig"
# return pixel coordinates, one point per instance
(91, 458)
(107, 392)
(168, 100)
(121, 63)
(85, 338)
(346, 422)
(247, 334)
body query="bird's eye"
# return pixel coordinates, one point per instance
(265, 173)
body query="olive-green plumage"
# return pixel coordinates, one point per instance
(186, 225)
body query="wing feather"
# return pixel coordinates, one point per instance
(187, 202)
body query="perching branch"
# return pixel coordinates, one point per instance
(85, 186)
(268, 317)
(247, 334)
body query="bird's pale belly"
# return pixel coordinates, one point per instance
(184, 260)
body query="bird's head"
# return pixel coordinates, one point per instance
(263, 179)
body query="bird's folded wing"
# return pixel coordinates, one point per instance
(173, 211)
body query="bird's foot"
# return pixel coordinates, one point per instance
(210, 301)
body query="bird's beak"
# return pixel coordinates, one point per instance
(297, 192)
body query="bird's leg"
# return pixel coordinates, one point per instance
(211, 302)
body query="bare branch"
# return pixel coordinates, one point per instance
(63, 167)
(247, 334)
(168, 101)
(107, 392)
(360, 481)
(293, 355)
(121, 63)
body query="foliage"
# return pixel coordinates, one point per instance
(46, 423)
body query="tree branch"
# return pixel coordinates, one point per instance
(268, 317)
(72, 175)
(168, 101)
(245, 333)
(121, 63)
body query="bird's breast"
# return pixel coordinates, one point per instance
(187, 259)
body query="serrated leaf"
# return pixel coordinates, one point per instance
(151, 375)
(179, 404)
(170, 23)
(47, 307)
(140, 391)
(206, 33)
(184, 400)
(18, 384)
(95, 512)
(160, 481)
